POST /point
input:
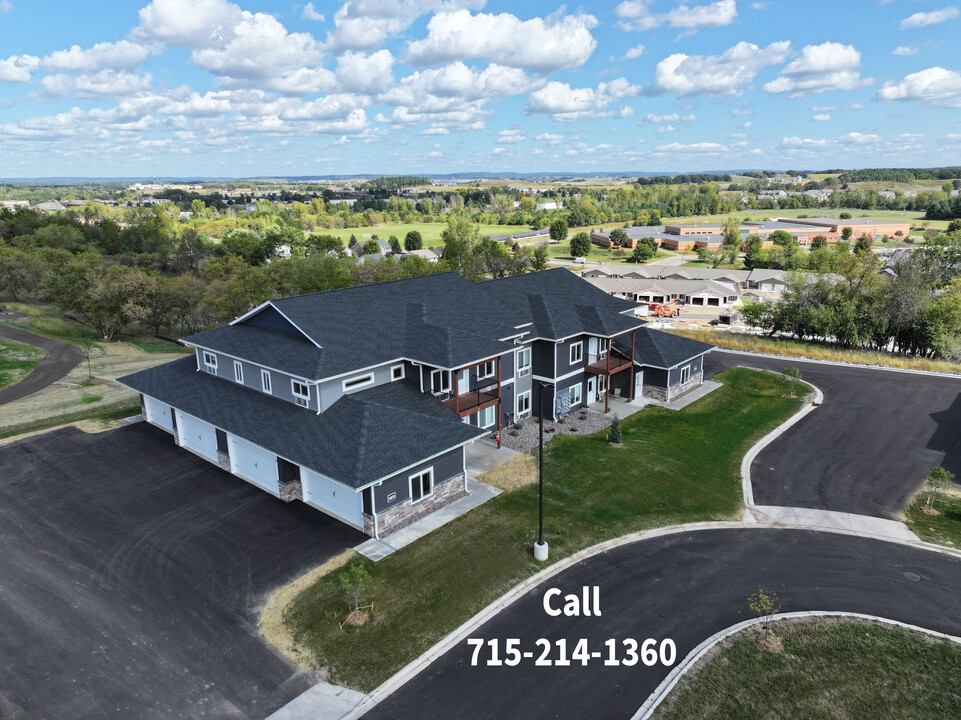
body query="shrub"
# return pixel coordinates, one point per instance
(614, 436)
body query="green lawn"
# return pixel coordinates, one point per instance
(430, 232)
(829, 669)
(723, 266)
(675, 468)
(110, 412)
(16, 361)
(943, 529)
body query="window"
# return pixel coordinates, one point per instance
(239, 372)
(265, 380)
(523, 362)
(685, 374)
(210, 362)
(577, 352)
(575, 396)
(358, 382)
(440, 381)
(486, 417)
(421, 485)
(301, 392)
(397, 372)
(524, 404)
(485, 370)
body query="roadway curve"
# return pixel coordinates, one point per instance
(61, 359)
(686, 587)
(867, 449)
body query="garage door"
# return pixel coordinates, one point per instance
(334, 498)
(158, 413)
(197, 435)
(253, 464)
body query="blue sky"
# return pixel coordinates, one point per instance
(249, 88)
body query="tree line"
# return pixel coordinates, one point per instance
(171, 279)
(916, 310)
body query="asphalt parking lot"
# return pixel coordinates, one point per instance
(131, 573)
(867, 449)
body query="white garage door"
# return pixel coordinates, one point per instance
(158, 413)
(253, 463)
(334, 498)
(197, 435)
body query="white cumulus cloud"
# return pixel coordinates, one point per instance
(121, 55)
(539, 44)
(935, 17)
(310, 13)
(562, 102)
(935, 85)
(904, 50)
(724, 74)
(18, 68)
(820, 68)
(637, 15)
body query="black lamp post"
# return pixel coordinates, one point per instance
(540, 547)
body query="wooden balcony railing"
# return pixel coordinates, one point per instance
(470, 402)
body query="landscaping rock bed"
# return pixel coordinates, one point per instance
(527, 433)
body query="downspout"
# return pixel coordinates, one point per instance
(373, 510)
(463, 457)
(317, 385)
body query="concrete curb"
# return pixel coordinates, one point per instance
(836, 363)
(416, 666)
(746, 489)
(682, 668)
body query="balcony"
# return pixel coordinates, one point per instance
(606, 365)
(470, 402)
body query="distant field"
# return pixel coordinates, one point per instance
(429, 231)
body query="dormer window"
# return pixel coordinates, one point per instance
(301, 393)
(210, 362)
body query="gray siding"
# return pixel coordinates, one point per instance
(332, 390)
(695, 366)
(446, 466)
(564, 365)
(548, 400)
(655, 376)
(269, 317)
(542, 358)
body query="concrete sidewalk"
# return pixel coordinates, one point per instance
(812, 519)
(479, 493)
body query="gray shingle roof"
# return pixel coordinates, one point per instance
(661, 349)
(442, 320)
(362, 438)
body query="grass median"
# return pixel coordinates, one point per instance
(675, 467)
(835, 669)
(817, 351)
(17, 360)
(941, 529)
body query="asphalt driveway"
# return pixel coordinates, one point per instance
(684, 587)
(131, 573)
(61, 358)
(867, 449)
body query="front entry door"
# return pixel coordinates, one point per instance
(591, 389)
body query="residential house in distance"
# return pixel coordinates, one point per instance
(359, 402)
(764, 280)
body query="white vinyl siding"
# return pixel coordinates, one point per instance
(239, 372)
(301, 393)
(265, 380)
(577, 352)
(421, 485)
(210, 362)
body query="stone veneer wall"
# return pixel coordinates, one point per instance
(659, 393)
(402, 515)
(223, 460)
(291, 491)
